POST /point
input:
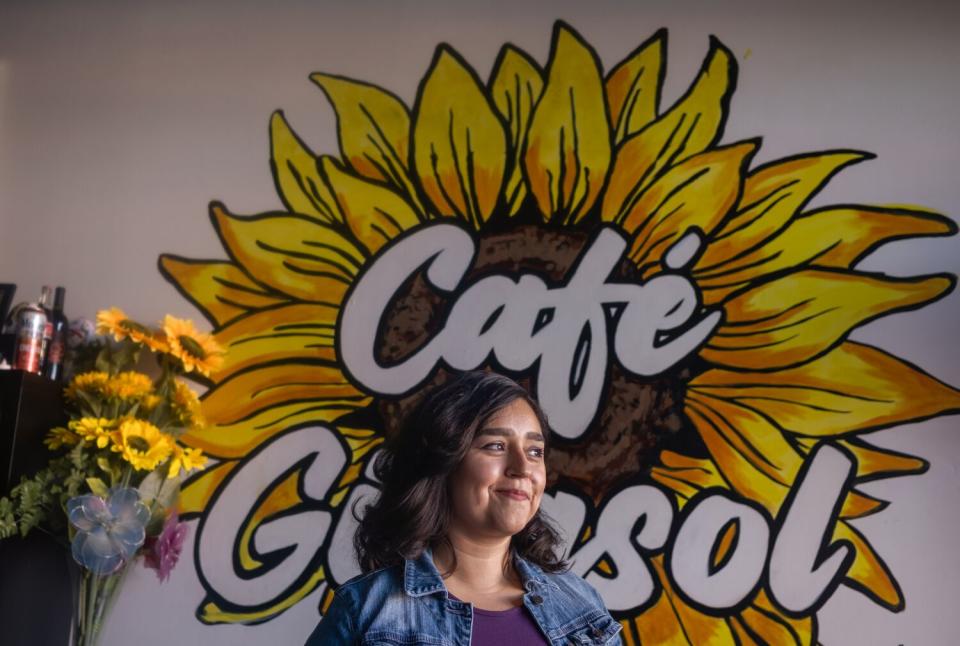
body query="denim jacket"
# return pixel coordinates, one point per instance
(410, 605)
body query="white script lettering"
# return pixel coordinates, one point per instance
(523, 321)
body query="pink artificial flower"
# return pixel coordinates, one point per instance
(162, 552)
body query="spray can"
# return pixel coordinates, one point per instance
(31, 326)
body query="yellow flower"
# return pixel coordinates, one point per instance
(150, 403)
(98, 430)
(91, 383)
(142, 444)
(114, 322)
(129, 385)
(185, 459)
(59, 437)
(157, 341)
(556, 153)
(186, 405)
(196, 350)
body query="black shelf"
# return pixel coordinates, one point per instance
(36, 594)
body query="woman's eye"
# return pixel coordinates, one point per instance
(536, 451)
(494, 446)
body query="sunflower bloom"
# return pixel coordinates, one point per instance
(129, 385)
(196, 350)
(142, 444)
(150, 402)
(59, 437)
(557, 150)
(186, 405)
(185, 459)
(97, 430)
(115, 322)
(91, 383)
(157, 342)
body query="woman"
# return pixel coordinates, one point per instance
(455, 550)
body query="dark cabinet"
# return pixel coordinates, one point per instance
(29, 406)
(35, 589)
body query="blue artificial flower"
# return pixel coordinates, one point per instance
(109, 532)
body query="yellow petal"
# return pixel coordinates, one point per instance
(772, 195)
(793, 319)
(288, 333)
(868, 573)
(686, 476)
(691, 126)
(253, 405)
(671, 621)
(831, 237)
(373, 127)
(197, 491)
(459, 144)
(743, 636)
(633, 88)
(516, 85)
(221, 290)
(755, 459)
(697, 193)
(568, 145)
(211, 612)
(858, 504)
(292, 254)
(730, 428)
(746, 477)
(295, 172)
(772, 627)
(235, 439)
(853, 388)
(873, 462)
(375, 214)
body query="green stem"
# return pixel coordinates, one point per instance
(89, 634)
(80, 626)
(109, 595)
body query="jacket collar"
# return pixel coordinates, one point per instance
(531, 575)
(421, 577)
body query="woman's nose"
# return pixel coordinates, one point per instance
(517, 463)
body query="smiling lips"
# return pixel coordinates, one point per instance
(514, 494)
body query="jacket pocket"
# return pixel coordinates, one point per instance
(601, 631)
(392, 638)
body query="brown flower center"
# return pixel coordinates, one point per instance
(138, 443)
(636, 417)
(191, 347)
(133, 326)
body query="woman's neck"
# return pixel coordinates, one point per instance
(482, 567)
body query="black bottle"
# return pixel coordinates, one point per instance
(53, 367)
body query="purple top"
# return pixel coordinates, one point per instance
(513, 626)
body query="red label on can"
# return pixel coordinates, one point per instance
(29, 354)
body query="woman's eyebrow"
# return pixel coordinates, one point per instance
(508, 432)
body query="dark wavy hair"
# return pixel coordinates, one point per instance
(412, 511)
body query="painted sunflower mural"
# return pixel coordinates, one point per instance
(568, 182)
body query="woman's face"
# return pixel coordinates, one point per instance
(496, 489)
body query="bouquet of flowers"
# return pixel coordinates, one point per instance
(110, 488)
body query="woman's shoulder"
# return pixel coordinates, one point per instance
(368, 584)
(567, 580)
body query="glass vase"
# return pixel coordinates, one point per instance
(93, 599)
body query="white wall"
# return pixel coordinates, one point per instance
(120, 121)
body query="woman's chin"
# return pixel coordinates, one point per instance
(509, 525)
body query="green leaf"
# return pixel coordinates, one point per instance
(103, 362)
(98, 487)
